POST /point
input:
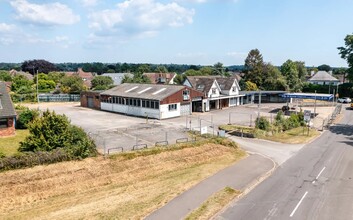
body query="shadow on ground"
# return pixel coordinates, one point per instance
(344, 129)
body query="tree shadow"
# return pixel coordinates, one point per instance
(343, 129)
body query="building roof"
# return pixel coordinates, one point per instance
(117, 77)
(86, 76)
(160, 78)
(317, 96)
(226, 83)
(323, 76)
(6, 106)
(201, 83)
(144, 91)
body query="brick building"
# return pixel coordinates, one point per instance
(7, 113)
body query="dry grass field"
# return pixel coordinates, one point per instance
(121, 187)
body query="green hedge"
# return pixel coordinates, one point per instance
(30, 159)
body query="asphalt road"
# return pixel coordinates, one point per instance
(317, 183)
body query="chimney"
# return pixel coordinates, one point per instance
(312, 72)
(330, 72)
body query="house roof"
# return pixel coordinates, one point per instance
(154, 77)
(226, 83)
(201, 83)
(6, 106)
(144, 91)
(323, 76)
(117, 77)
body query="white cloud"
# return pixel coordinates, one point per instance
(139, 18)
(191, 55)
(5, 28)
(237, 54)
(89, 3)
(44, 14)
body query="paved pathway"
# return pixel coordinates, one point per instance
(238, 176)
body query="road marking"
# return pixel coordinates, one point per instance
(317, 177)
(301, 200)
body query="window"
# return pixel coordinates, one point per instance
(130, 101)
(172, 107)
(143, 103)
(214, 91)
(186, 92)
(135, 102)
(147, 103)
(3, 123)
(152, 104)
(234, 89)
(156, 105)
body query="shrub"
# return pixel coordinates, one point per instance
(52, 131)
(26, 117)
(293, 121)
(2, 155)
(263, 124)
(30, 159)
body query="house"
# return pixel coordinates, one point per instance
(221, 92)
(161, 78)
(85, 76)
(150, 100)
(14, 73)
(7, 113)
(117, 77)
(323, 78)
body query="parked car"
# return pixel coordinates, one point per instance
(344, 100)
(352, 106)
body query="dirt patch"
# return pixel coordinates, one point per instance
(112, 188)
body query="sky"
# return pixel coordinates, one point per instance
(199, 32)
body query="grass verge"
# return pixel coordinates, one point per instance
(9, 145)
(292, 136)
(120, 187)
(213, 204)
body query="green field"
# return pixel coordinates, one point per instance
(9, 145)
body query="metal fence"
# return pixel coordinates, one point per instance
(59, 97)
(330, 119)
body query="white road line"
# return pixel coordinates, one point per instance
(319, 174)
(301, 200)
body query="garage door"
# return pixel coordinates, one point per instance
(185, 109)
(90, 102)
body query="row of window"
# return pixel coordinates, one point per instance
(132, 102)
(3, 123)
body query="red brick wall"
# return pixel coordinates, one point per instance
(10, 130)
(94, 95)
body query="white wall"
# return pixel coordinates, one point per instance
(214, 86)
(165, 113)
(131, 110)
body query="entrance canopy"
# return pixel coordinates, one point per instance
(317, 96)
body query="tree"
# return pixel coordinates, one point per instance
(102, 82)
(302, 70)
(324, 67)
(161, 69)
(5, 76)
(290, 72)
(273, 79)
(254, 65)
(218, 69)
(56, 76)
(346, 53)
(72, 84)
(21, 85)
(52, 131)
(250, 86)
(42, 66)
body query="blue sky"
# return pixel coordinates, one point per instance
(180, 31)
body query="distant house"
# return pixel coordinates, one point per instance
(14, 73)
(323, 78)
(117, 77)
(85, 76)
(7, 113)
(161, 78)
(150, 100)
(221, 92)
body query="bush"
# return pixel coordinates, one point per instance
(2, 155)
(52, 131)
(26, 117)
(263, 124)
(30, 159)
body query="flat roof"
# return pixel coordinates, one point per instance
(317, 96)
(262, 92)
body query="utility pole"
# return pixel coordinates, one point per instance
(315, 106)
